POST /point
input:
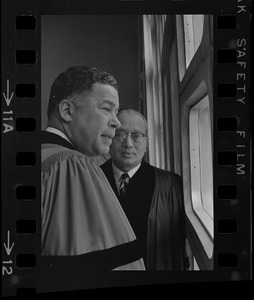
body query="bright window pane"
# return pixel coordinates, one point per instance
(153, 42)
(206, 160)
(195, 265)
(193, 31)
(201, 163)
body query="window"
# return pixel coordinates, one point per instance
(195, 74)
(195, 268)
(193, 31)
(178, 57)
(201, 165)
(189, 36)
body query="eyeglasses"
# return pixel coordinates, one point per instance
(136, 137)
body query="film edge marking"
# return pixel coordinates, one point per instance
(8, 98)
(8, 270)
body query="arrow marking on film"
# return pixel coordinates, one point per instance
(8, 248)
(7, 96)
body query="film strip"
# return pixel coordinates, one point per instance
(230, 152)
(21, 119)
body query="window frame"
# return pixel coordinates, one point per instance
(197, 230)
(197, 205)
(185, 58)
(194, 85)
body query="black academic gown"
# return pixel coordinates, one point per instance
(137, 202)
(155, 209)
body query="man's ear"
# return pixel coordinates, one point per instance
(65, 109)
(147, 145)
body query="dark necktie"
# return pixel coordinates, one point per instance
(124, 182)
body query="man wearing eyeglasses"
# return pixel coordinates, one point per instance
(151, 198)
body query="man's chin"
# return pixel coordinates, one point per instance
(104, 150)
(95, 152)
(129, 162)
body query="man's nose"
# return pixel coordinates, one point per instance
(128, 141)
(114, 122)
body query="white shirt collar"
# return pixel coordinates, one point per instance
(118, 173)
(58, 132)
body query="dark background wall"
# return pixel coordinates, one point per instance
(109, 42)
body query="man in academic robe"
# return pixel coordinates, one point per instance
(84, 229)
(152, 198)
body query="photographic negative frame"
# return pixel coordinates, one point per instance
(30, 29)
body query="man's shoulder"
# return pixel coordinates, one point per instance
(166, 180)
(59, 151)
(56, 154)
(107, 165)
(162, 174)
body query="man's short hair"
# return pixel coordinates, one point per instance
(136, 112)
(75, 81)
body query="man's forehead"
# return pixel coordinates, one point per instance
(102, 93)
(131, 119)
